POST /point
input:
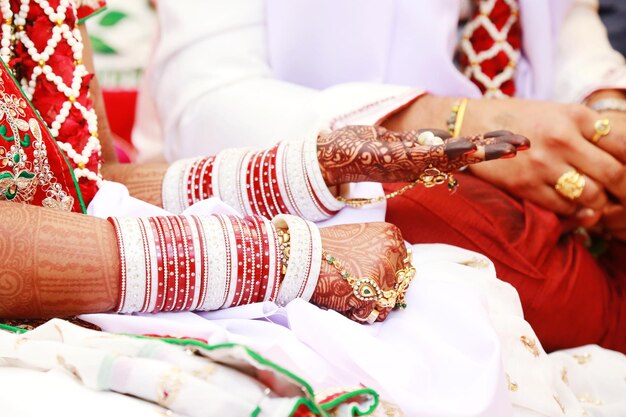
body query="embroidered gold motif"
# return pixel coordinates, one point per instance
(476, 262)
(513, 387)
(204, 373)
(586, 398)
(20, 177)
(69, 367)
(564, 376)
(169, 387)
(530, 344)
(558, 401)
(583, 359)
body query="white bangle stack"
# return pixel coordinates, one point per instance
(305, 259)
(283, 180)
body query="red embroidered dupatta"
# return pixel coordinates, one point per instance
(33, 170)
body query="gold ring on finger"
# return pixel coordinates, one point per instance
(601, 128)
(571, 184)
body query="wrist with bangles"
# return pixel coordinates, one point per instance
(285, 179)
(205, 263)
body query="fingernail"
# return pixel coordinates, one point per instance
(496, 133)
(585, 213)
(499, 151)
(508, 155)
(454, 150)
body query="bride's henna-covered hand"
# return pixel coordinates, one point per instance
(373, 153)
(373, 250)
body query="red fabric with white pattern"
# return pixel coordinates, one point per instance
(491, 47)
(47, 61)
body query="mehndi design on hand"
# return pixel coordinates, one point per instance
(376, 251)
(373, 153)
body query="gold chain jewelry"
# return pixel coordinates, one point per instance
(284, 244)
(367, 289)
(429, 178)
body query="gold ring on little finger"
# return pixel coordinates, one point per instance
(601, 128)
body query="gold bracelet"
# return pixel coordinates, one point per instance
(430, 177)
(284, 244)
(367, 289)
(455, 121)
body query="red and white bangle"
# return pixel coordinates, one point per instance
(304, 189)
(329, 203)
(227, 177)
(174, 192)
(304, 259)
(273, 266)
(218, 263)
(133, 265)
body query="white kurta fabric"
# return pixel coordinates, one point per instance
(248, 72)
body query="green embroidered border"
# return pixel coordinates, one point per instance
(94, 14)
(355, 410)
(310, 403)
(37, 115)
(12, 328)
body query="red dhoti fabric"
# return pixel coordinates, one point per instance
(569, 297)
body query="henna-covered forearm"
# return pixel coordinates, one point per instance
(144, 181)
(54, 263)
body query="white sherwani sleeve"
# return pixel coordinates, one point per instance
(585, 60)
(214, 86)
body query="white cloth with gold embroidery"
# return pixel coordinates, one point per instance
(193, 381)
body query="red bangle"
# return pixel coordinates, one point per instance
(279, 204)
(240, 275)
(168, 264)
(183, 280)
(122, 254)
(259, 258)
(229, 260)
(160, 251)
(148, 263)
(204, 265)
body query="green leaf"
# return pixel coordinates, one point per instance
(112, 18)
(101, 47)
(26, 141)
(26, 174)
